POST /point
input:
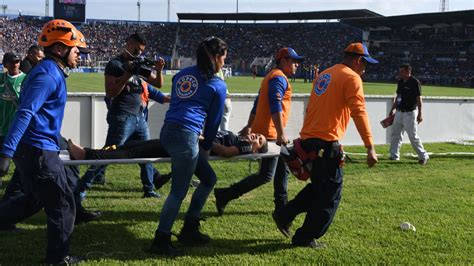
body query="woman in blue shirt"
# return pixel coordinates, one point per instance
(197, 101)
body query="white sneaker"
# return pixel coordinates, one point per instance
(423, 161)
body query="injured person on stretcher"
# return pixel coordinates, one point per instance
(226, 144)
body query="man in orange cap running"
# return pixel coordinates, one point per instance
(268, 117)
(337, 96)
(33, 143)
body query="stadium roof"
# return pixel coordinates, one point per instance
(315, 15)
(466, 17)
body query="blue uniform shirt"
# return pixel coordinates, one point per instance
(280, 86)
(40, 114)
(195, 101)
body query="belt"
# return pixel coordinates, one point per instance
(406, 110)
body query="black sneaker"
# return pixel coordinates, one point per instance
(99, 180)
(160, 180)
(68, 260)
(162, 246)
(190, 234)
(86, 216)
(308, 244)
(282, 226)
(221, 200)
(151, 194)
(11, 228)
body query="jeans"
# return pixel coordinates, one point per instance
(123, 128)
(44, 185)
(183, 147)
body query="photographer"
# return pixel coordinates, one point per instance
(128, 80)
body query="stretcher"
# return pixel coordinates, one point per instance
(273, 151)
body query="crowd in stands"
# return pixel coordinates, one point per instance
(441, 56)
(318, 42)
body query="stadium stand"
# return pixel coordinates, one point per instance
(440, 46)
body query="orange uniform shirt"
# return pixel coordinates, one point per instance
(263, 122)
(337, 95)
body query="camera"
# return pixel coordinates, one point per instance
(141, 66)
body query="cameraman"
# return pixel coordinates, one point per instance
(127, 89)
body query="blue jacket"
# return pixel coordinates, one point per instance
(197, 104)
(40, 114)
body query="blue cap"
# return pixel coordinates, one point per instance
(288, 52)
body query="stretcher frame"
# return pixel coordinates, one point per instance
(273, 151)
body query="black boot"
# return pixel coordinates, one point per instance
(223, 197)
(190, 234)
(84, 216)
(160, 180)
(162, 245)
(280, 203)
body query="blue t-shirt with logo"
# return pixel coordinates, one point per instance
(197, 103)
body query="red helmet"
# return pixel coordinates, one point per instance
(59, 30)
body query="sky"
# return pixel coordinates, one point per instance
(156, 10)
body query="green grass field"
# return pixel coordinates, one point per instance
(94, 82)
(438, 199)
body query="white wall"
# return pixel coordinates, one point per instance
(445, 118)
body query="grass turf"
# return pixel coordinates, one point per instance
(94, 82)
(437, 199)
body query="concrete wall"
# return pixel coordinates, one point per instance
(445, 118)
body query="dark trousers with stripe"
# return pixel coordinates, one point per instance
(44, 185)
(320, 198)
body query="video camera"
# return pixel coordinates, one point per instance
(141, 66)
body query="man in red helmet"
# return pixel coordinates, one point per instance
(33, 143)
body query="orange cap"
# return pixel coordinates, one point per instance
(59, 30)
(360, 49)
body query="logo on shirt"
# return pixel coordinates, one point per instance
(186, 86)
(322, 84)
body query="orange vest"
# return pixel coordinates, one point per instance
(145, 94)
(337, 96)
(263, 122)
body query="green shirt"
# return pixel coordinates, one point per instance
(9, 94)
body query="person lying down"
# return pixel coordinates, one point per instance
(226, 144)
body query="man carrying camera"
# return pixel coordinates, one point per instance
(127, 87)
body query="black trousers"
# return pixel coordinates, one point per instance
(132, 149)
(13, 189)
(44, 185)
(320, 198)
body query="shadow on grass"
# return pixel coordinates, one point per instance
(117, 242)
(153, 215)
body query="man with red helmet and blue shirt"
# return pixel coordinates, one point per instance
(33, 143)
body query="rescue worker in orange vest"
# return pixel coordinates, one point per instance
(268, 117)
(337, 95)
